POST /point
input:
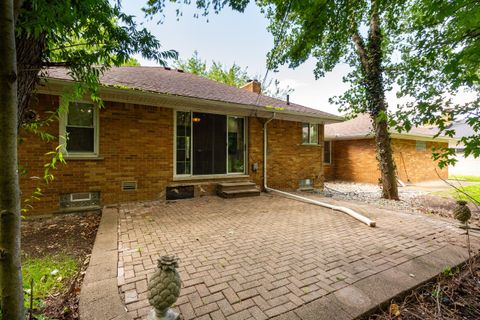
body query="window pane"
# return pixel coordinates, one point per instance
(421, 145)
(80, 139)
(314, 134)
(183, 142)
(305, 133)
(235, 145)
(80, 114)
(327, 152)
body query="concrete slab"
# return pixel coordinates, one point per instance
(99, 296)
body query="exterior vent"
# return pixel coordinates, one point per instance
(129, 185)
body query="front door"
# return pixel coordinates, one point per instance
(209, 143)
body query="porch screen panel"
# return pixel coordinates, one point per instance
(183, 142)
(209, 143)
(236, 145)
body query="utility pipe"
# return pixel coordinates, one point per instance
(346, 210)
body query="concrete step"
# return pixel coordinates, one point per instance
(252, 192)
(232, 186)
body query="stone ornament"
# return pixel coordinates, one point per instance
(462, 212)
(164, 289)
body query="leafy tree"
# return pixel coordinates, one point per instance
(331, 32)
(440, 59)
(132, 62)
(234, 75)
(85, 36)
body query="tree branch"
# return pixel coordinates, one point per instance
(360, 48)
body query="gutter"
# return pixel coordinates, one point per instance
(266, 188)
(56, 86)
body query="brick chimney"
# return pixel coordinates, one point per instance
(253, 86)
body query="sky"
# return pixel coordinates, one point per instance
(242, 38)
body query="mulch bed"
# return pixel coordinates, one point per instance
(452, 295)
(69, 234)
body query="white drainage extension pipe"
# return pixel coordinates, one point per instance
(350, 212)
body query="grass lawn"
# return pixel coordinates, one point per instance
(466, 178)
(49, 274)
(473, 191)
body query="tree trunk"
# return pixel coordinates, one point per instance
(371, 64)
(378, 108)
(11, 292)
(29, 63)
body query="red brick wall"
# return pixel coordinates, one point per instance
(355, 160)
(136, 144)
(416, 165)
(288, 160)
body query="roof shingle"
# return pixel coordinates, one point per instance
(361, 127)
(175, 82)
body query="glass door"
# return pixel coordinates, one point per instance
(209, 142)
(236, 145)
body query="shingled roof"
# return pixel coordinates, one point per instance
(176, 82)
(361, 127)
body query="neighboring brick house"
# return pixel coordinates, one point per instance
(164, 128)
(350, 153)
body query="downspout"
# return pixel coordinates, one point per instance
(266, 188)
(265, 151)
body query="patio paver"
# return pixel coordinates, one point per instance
(258, 258)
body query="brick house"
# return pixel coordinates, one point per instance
(164, 130)
(350, 153)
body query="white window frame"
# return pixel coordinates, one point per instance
(330, 157)
(63, 120)
(310, 126)
(191, 175)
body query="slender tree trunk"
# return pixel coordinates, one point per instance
(11, 292)
(371, 62)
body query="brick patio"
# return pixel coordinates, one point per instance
(256, 258)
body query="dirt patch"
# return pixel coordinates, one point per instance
(68, 234)
(455, 294)
(71, 234)
(443, 207)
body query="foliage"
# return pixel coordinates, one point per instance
(440, 47)
(234, 75)
(131, 62)
(49, 274)
(87, 37)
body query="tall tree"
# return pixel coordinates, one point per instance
(355, 32)
(234, 75)
(11, 293)
(440, 49)
(87, 37)
(331, 32)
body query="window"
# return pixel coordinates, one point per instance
(79, 129)
(183, 143)
(309, 133)
(421, 145)
(327, 152)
